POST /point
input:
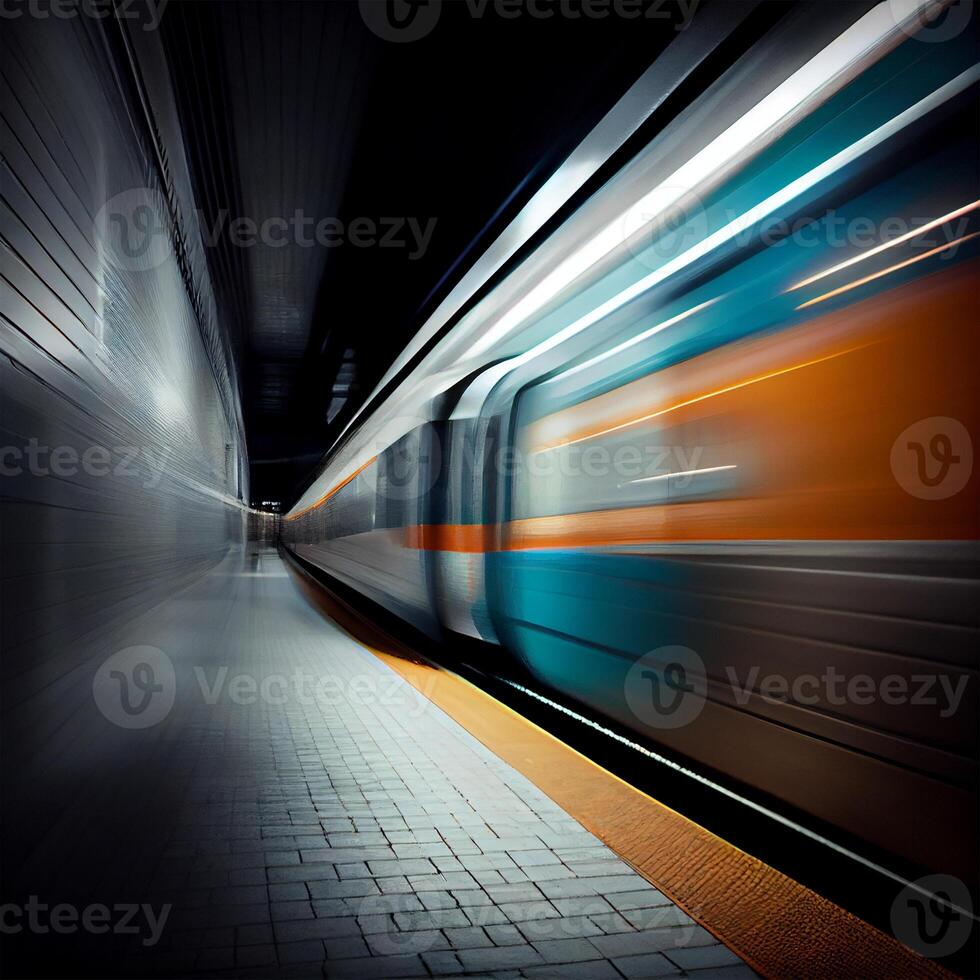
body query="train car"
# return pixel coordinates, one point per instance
(701, 464)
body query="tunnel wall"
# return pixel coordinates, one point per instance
(123, 464)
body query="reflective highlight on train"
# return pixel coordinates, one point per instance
(728, 407)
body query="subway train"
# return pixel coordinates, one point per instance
(692, 443)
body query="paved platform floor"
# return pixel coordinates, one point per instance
(299, 810)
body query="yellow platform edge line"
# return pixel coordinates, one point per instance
(812, 937)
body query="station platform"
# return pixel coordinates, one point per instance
(276, 800)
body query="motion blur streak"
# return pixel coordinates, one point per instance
(333, 490)
(626, 344)
(772, 114)
(667, 476)
(908, 236)
(885, 272)
(116, 369)
(690, 401)
(684, 420)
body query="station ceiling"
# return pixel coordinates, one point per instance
(344, 179)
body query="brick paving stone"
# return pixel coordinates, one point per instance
(356, 870)
(354, 888)
(740, 972)
(324, 908)
(547, 872)
(566, 950)
(397, 885)
(380, 922)
(657, 917)
(499, 958)
(612, 923)
(525, 911)
(470, 897)
(289, 892)
(610, 884)
(405, 868)
(487, 862)
(345, 947)
(283, 911)
(592, 970)
(527, 859)
(487, 878)
(505, 935)
(447, 864)
(438, 900)
(628, 901)
(563, 927)
(439, 919)
(514, 893)
(306, 872)
(305, 929)
(655, 941)
(471, 937)
(590, 905)
(702, 957)
(441, 962)
(486, 915)
(384, 943)
(573, 888)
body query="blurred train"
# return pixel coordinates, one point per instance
(692, 443)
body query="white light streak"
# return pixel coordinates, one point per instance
(878, 249)
(751, 804)
(667, 476)
(779, 106)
